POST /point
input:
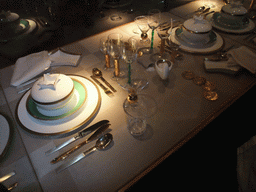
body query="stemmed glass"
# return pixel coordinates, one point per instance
(129, 52)
(142, 23)
(114, 46)
(163, 31)
(104, 45)
(154, 17)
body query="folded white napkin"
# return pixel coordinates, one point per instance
(244, 57)
(34, 64)
(239, 57)
(30, 66)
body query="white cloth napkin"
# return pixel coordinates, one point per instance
(239, 57)
(244, 57)
(34, 64)
(30, 66)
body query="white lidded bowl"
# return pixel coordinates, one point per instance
(197, 29)
(233, 16)
(53, 91)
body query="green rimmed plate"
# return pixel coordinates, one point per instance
(34, 112)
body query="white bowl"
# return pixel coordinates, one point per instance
(53, 91)
(197, 29)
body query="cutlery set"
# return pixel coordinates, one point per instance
(95, 132)
(6, 177)
(97, 74)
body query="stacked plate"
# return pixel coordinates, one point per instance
(196, 36)
(80, 108)
(232, 19)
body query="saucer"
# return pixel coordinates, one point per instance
(202, 44)
(78, 99)
(211, 49)
(69, 123)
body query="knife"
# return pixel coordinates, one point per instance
(95, 135)
(2, 179)
(80, 135)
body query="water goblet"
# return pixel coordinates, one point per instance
(115, 43)
(163, 33)
(154, 16)
(142, 23)
(104, 45)
(129, 51)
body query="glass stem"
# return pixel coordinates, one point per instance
(129, 73)
(117, 68)
(152, 39)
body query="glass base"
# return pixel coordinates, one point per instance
(137, 84)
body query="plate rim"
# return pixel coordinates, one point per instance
(9, 136)
(70, 129)
(58, 115)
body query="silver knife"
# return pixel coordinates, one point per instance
(83, 154)
(96, 134)
(81, 134)
(2, 179)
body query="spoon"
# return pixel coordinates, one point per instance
(97, 73)
(101, 144)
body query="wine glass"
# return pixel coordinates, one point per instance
(139, 107)
(104, 45)
(154, 16)
(142, 23)
(129, 52)
(164, 31)
(115, 43)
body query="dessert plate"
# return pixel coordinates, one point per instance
(66, 124)
(201, 44)
(183, 46)
(4, 134)
(38, 113)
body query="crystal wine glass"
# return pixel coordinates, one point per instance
(154, 16)
(129, 52)
(104, 45)
(142, 23)
(164, 31)
(115, 43)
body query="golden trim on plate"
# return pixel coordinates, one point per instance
(71, 129)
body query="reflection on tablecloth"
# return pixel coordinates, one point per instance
(41, 162)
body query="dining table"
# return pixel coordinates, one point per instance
(182, 112)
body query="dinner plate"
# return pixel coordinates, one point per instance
(4, 133)
(201, 44)
(38, 113)
(250, 27)
(183, 46)
(66, 124)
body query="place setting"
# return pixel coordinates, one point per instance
(195, 35)
(233, 18)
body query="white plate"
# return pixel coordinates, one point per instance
(216, 46)
(67, 124)
(4, 133)
(249, 28)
